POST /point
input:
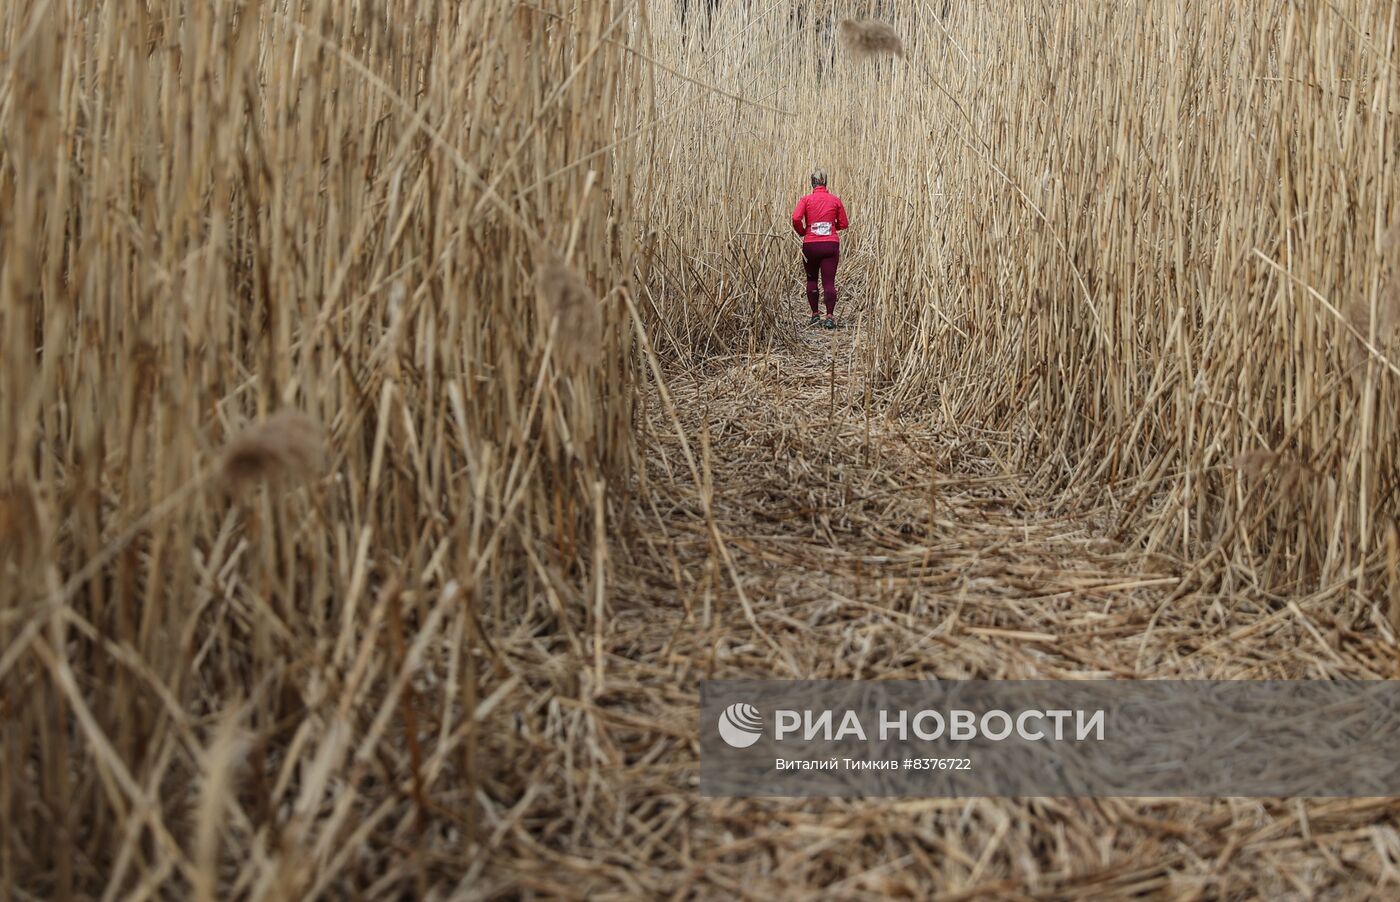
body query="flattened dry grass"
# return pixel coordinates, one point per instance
(873, 544)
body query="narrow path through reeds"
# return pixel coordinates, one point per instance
(873, 547)
(906, 547)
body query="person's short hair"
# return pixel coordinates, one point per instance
(818, 177)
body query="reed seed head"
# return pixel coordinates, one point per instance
(868, 38)
(565, 296)
(1259, 463)
(1358, 307)
(288, 446)
(1388, 307)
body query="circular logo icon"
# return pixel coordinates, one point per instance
(740, 725)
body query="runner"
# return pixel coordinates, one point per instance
(819, 218)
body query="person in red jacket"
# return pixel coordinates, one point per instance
(819, 218)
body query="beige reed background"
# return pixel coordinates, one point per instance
(214, 211)
(1156, 242)
(321, 367)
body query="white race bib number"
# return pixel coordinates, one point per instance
(821, 228)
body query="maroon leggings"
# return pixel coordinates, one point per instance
(823, 257)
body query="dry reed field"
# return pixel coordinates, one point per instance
(405, 404)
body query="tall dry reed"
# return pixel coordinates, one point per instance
(213, 212)
(1139, 240)
(1143, 245)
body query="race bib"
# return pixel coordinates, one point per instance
(821, 228)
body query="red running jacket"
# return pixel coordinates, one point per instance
(819, 216)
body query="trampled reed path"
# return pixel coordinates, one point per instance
(402, 407)
(868, 544)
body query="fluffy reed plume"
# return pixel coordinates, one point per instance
(1388, 308)
(868, 38)
(1259, 463)
(564, 296)
(1357, 308)
(288, 446)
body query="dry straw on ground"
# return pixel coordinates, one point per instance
(466, 665)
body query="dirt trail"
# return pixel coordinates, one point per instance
(868, 547)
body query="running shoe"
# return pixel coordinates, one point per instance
(815, 320)
(830, 322)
